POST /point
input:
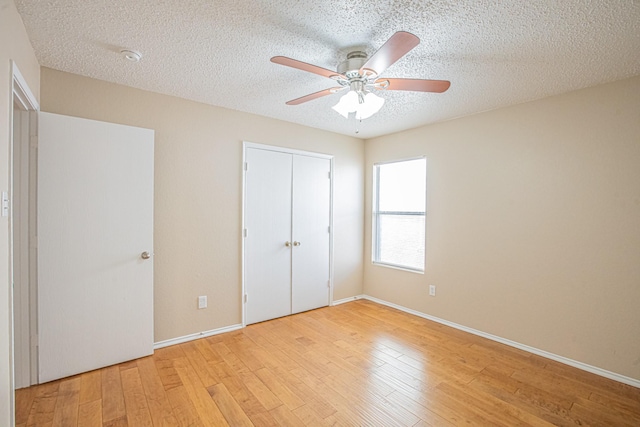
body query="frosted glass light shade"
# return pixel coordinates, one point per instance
(349, 104)
(372, 104)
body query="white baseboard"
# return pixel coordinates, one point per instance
(349, 299)
(198, 335)
(576, 364)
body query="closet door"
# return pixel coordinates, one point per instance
(311, 219)
(267, 266)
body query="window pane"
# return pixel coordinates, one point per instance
(402, 186)
(401, 239)
(399, 213)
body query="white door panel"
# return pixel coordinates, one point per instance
(311, 219)
(268, 224)
(95, 218)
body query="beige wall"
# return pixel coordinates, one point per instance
(198, 193)
(14, 45)
(533, 224)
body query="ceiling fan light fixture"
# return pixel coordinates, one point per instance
(371, 105)
(364, 108)
(348, 104)
(360, 73)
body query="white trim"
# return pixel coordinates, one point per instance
(247, 144)
(24, 94)
(576, 364)
(331, 260)
(198, 335)
(330, 157)
(243, 171)
(348, 299)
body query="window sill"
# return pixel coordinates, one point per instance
(397, 267)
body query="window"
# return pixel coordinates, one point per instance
(399, 206)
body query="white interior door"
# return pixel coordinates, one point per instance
(311, 220)
(95, 219)
(267, 267)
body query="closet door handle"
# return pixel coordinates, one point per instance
(287, 244)
(296, 243)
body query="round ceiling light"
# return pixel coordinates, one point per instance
(131, 55)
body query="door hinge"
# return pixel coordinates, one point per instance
(329, 229)
(328, 283)
(329, 174)
(246, 297)
(245, 232)
(246, 166)
(5, 203)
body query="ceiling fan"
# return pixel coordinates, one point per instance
(361, 75)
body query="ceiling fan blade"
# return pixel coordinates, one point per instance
(395, 48)
(315, 95)
(294, 63)
(418, 85)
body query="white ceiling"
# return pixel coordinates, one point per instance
(495, 53)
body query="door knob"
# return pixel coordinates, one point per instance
(145, 255)
(287, 244)
(296, 243)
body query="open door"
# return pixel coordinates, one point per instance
(95, 244)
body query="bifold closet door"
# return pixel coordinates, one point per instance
(268, 224)
(311, 219)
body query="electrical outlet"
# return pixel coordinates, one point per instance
(432, 290)
(202, 301)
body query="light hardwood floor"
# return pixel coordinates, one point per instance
(359, 364)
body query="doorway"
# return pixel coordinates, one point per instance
(19, 205)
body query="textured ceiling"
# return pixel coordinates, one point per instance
(495, 53)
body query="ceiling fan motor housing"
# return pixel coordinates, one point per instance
(351, 66)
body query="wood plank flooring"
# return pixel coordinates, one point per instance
(357, 364)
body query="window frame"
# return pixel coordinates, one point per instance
(375, 217)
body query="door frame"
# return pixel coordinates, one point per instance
(330, 157)
(22, 100)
